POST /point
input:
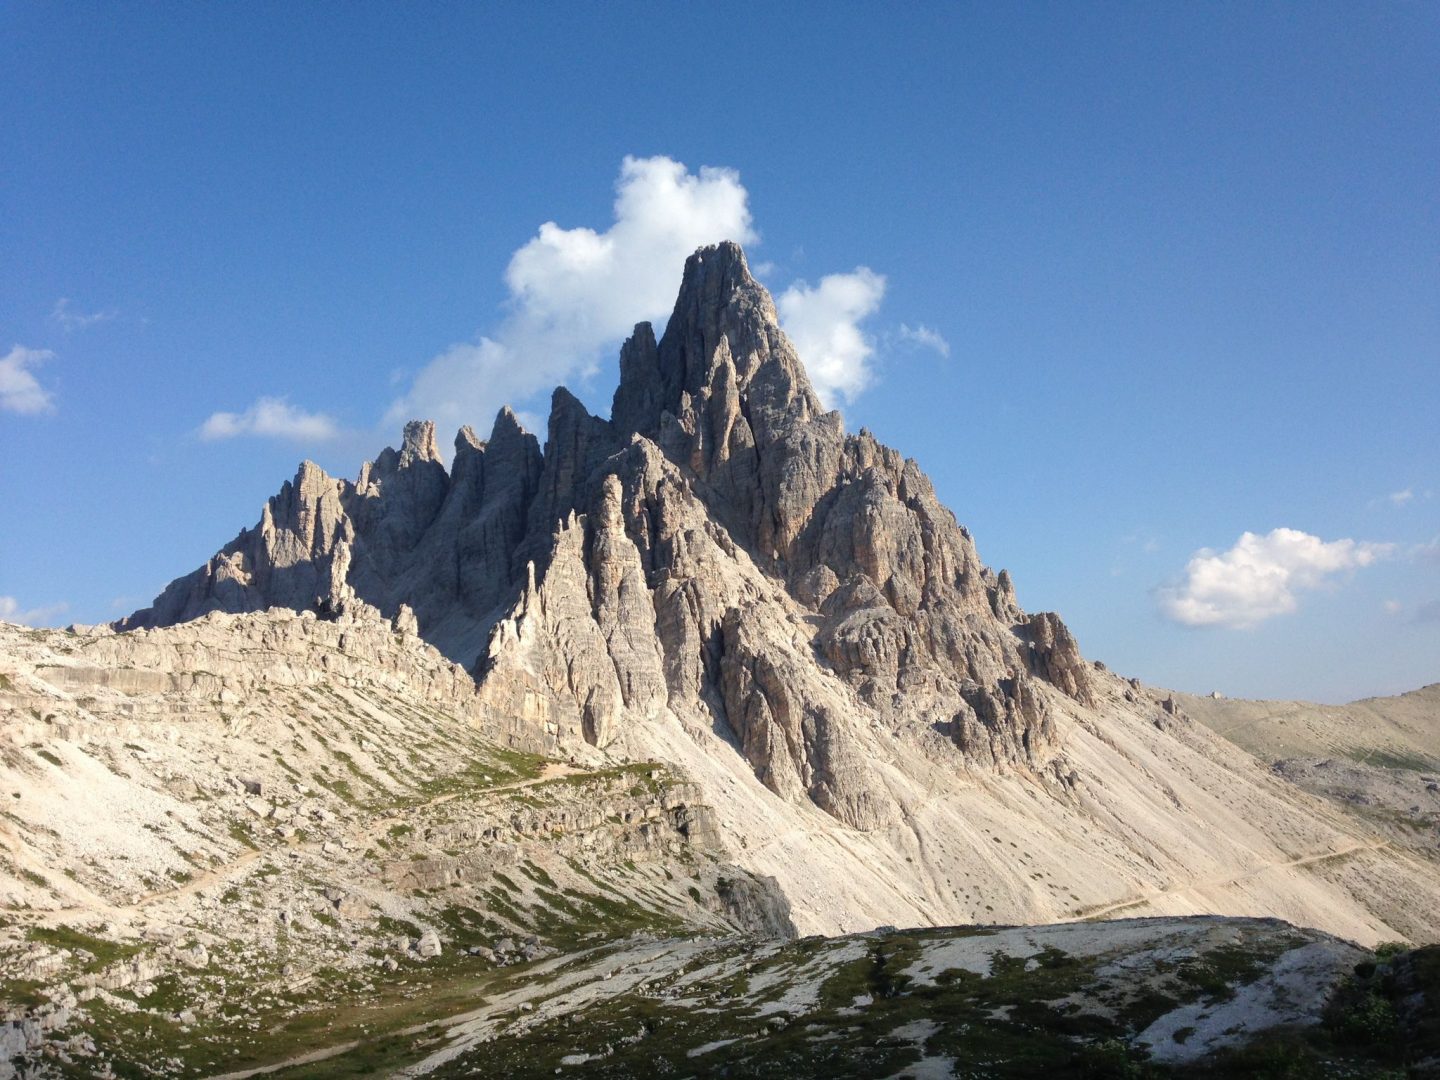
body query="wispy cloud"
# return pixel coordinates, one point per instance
(70, 319)
(1400, 498)
(20, 391)
(10, 611)
(577, 292)
(1260, 576)
(823, 322)
(923, 337)
(270, 418)
(1428, 612)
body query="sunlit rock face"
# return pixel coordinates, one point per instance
(720, 548)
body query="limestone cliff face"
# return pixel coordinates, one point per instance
(719, 548)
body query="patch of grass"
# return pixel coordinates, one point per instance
(340, 788)
(103, 951)
(969, 1019)
(537, 875)
(506, 882)
(397, 927)
(241, 835)
(1394, 759)
(1218, 972)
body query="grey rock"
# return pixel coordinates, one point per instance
(720, 548)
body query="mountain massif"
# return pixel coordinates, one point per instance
(713, 666)
(721, 576)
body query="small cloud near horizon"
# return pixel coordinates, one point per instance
(10, 611)
(270, 418)
(1427, 552)
(1258, 578)
(20, 390)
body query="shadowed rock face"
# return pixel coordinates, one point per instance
(719, 548)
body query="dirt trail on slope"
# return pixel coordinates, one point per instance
(214, 875)
(1220, 883)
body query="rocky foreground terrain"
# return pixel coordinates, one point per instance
(274, 841)
(545, 759)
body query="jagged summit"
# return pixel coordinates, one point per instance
(719, 304)
(720, 549)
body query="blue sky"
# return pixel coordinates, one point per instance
(1129, 281)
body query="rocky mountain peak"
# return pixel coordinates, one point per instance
(720, 550)
(722, 346)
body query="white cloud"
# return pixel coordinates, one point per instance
(1429, 552)
(78, 320)
(271, 418)
(10, 611)
(1393, 607)
(576, 292)
(823, 322)
(1400, 498)
(1259, 577)
(923, 337)
(20, 391)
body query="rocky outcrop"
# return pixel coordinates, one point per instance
(1055, 656)
(406, 532)
(719, 548)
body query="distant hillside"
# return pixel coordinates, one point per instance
(1377, 759)
(1400, 732)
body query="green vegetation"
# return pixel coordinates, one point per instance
(1395, 759)
(103, 952)
(486, 767)
(816, 1007)
(1006, 1022)
(537, 875)
(240, 833)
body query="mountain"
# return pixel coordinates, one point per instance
(721, 577)
(662, 550)
(520, 761)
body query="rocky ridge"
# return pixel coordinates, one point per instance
(646, 562)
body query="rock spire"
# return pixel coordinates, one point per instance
(720, 549)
